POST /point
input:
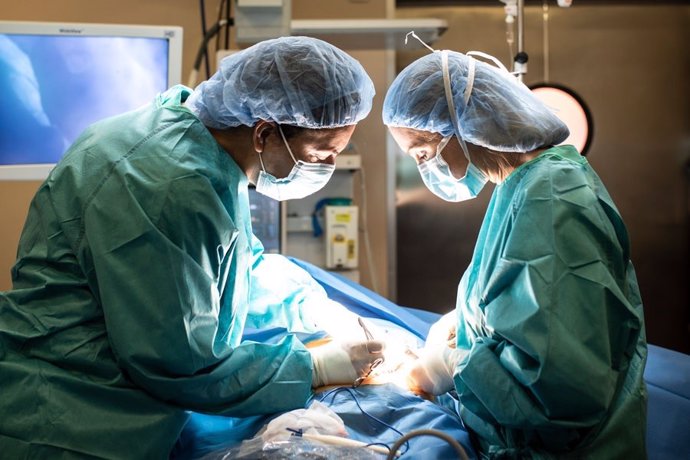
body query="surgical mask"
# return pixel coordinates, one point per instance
(438, 178)
(436, 172)
(303, 180)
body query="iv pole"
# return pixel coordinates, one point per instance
(521, 58)
(517, 8)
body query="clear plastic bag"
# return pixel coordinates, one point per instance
(277, 440)
(293, 448)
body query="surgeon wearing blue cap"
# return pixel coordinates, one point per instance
(133, 281)
(545, 350)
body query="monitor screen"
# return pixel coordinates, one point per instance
(268, 221)
(58, 79)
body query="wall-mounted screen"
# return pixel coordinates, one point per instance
(57, 79)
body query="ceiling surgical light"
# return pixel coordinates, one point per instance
(571, 109)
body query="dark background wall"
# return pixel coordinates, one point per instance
(630, 64)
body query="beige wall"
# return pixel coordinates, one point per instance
(14, 204)
(369, 137)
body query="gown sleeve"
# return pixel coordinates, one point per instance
(281, 295)
(173, 278)
(560, 325)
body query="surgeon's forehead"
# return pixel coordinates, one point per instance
(327, 139)
(411, 136)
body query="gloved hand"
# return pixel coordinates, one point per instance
(443, 331)
(343, 362)
(433, 372)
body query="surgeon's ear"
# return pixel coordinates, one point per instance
(262, 129)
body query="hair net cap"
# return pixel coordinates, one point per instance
(501, 114)
(299, 81)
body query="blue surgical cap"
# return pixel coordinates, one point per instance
(299, 81)
(501, 114)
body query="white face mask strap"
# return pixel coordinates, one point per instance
(286, 144)
(263, 168)
(449, 96)
(441, 145)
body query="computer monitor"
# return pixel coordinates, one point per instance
(56, 79)
(268, 221)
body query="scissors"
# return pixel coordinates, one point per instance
(377, 362)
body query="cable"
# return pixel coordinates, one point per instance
(521, 58)
(404, 438)
(334, 392)
(428, 432)
(364, 226)
(335, 201)
(202, 10)
(219, 16)
(545, 19)
(521, 25)
(510, 9)
(227, 28)
(365, 231)
(200, 52)
(510, 38)
(388, 448)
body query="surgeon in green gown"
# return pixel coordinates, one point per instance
(134, 273)
(545, 351)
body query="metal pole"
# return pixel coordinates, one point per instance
(521, 25)
(520, 63)
(521, 57)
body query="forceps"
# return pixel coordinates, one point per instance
(373, 365)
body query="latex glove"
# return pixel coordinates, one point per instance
(443, 331)
(433, 372)
(343, 362)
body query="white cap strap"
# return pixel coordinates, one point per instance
(449, 97)
(470, 81)
(448, 91)
(491, 58)
(420, 41)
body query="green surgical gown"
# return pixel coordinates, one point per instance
(130, 295)
(550, 312)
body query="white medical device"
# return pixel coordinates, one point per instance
(341, 224)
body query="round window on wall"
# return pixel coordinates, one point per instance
(572, 111)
